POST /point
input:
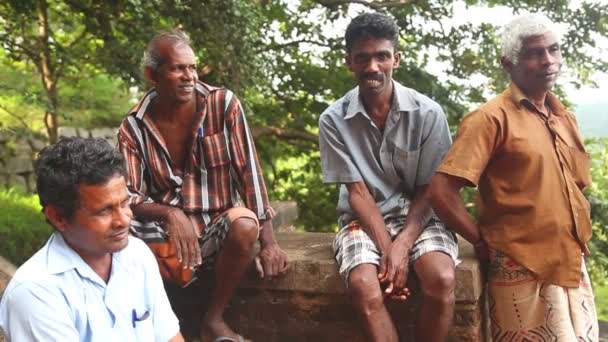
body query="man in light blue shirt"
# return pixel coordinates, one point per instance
(91, 281)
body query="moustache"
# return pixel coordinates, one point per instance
(372, 76)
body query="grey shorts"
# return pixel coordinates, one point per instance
(353, 247)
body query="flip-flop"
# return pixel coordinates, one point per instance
(228, 339)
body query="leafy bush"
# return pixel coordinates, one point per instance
(23, 229)
(598, 198)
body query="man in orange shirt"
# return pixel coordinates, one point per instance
(524, 152)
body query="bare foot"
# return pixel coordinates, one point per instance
(212, 329)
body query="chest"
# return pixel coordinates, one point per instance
(177, 137)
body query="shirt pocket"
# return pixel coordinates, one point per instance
(578, 163)
(144, 330)
(405, 164)
(215, 150)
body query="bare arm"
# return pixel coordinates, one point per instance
(417, 217)
(448, 205)
(272, 260)
(368, 214)
(395, 263)
(177, 338)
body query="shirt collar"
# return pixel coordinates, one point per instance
(141, 108)
(401, 100)
(518, 97)
(62, 258)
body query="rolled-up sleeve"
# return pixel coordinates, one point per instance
(336, 163)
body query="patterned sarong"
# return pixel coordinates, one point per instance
(524, 309)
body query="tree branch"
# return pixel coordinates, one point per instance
(376, 5)
(285, 134)
(16, 116)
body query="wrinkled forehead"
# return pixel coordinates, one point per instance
(545, 40)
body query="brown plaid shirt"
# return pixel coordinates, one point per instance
(222, 169)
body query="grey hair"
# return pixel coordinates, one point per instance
(520, 28)
(152, 58)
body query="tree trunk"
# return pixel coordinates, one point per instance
(49, 80)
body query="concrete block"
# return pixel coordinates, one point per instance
(103, 133)
(286, 214)
(64, 131)
(19, 164)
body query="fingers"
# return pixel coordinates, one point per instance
(382, 269)
(258, 266)
(273, 262)
(285, 265)
(400, 277)
(197, 258)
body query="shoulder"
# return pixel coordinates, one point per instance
(411, 100)
(135, 250)
(337, 110)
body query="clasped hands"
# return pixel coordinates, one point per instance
(393, 270)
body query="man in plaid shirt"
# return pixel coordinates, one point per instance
(194, 178)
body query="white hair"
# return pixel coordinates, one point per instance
(522, 27)
(152, 57)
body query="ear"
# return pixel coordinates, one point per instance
(397, 59)
(506, 64)
(348, 62)
(150, 75)
(55, 217)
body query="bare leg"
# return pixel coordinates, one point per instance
(368, 301)
(436, 273)
(234, 258)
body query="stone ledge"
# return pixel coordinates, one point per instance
(314, 269)
(311, 304)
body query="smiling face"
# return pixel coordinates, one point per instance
(176, 76)
(372, 61)
(100, 224)
(538, 65)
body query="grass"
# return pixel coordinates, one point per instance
(601, 301)
(23, 229)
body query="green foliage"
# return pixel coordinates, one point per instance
(601, 301)
(23, 229)
(598, 198)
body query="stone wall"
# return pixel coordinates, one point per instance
(310, 303)
(17, 154)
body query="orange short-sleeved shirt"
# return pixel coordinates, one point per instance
(530, 171)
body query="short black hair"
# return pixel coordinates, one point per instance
(374, 25)
(61, 168)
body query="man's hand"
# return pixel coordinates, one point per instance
(184, 236)
(271, 261)
(393, 271)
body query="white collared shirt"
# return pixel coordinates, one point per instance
(56, 296)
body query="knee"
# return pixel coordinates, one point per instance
(365, 292)
(244, 233)
(439, 287)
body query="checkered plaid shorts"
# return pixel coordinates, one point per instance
(353, 247)
(211, 239)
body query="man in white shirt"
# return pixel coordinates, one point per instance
(91, 281)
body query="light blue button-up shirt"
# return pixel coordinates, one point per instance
(56, 296)
(393, 162)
